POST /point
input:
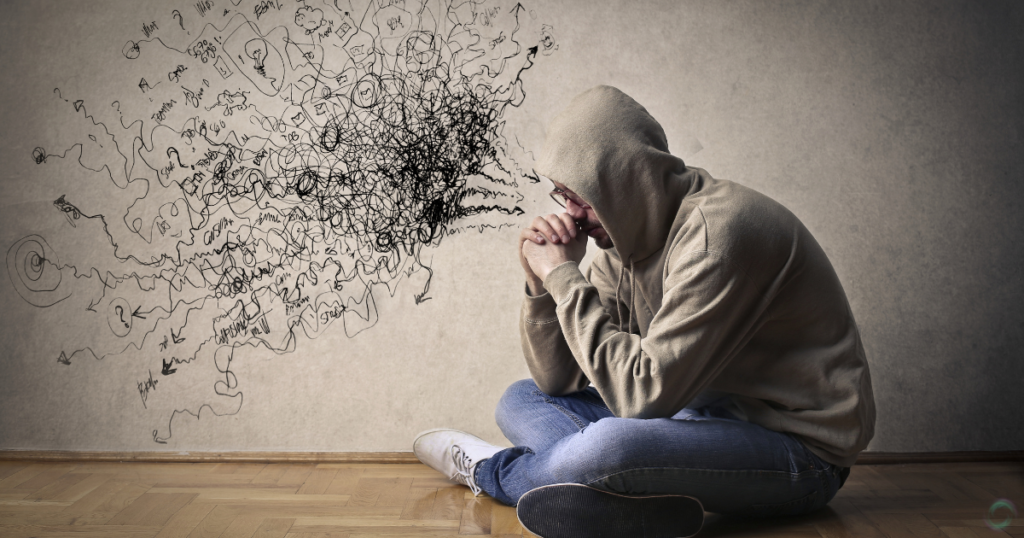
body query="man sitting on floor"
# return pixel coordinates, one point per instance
(708, 359)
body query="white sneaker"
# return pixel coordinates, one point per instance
(453, 453)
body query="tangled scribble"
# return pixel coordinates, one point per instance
(283, 167)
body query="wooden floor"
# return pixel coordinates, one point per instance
(369, 500)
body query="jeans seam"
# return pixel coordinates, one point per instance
(576, 420)
(649, 468)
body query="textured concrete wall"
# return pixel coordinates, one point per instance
(892, 129)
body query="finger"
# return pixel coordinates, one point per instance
(541, 225)
(569, 222)
(558, 227)
(574, 210)
(530, 234)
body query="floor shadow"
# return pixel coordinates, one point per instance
(723, 525)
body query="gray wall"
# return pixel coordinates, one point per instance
(892, 129)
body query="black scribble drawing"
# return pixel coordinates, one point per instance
(293, 172)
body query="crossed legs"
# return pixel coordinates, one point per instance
(730, 465)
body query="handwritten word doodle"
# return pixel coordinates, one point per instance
(272, 171)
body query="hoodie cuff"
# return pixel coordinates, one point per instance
(563, 279)
(539, 308)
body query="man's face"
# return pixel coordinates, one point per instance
(582, 214)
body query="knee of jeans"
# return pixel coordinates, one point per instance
(513, 400)
(620, 439)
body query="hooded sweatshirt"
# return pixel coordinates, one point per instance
(712, 292)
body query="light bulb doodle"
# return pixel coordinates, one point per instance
(357, 139)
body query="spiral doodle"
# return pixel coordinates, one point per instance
(35, 272)
(265, 221)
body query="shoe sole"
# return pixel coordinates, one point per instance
(579, 511)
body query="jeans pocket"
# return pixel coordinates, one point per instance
(797, 507)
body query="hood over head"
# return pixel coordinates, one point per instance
(608, 149)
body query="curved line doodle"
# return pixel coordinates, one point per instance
(35, 272)
(289, 171)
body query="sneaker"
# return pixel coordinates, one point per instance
(453, 453)
(579, 511)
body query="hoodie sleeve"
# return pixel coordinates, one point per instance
(551, 363)
(701, 323)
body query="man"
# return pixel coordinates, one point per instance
(728, 372)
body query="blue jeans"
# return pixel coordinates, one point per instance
(731, 466)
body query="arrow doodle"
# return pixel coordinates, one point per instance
(330, 150)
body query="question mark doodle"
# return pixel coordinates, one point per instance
(178, 157)
(181, 21)
(120, 315)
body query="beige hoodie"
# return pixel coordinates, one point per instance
(711, 289)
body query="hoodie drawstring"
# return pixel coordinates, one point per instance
(632, 293)
(618, 286)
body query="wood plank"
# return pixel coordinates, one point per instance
(43, 479)
(884, 458)
(275, 500)
(319, 535)
(295, 475)
(254, 496)
(892, 525)
(448, 503)
(185, 520)
(270, 475)
(216, 457)
(83, 488)
(7, 468)
(86, 531)
(318, 481)
(22, 475)
(388, 526)
(214, 523)
(306, 509)
(999, 485)
(419, 504)
(367, 492)
(968, 532)
(122, 499)
(395, 493)
(136, 511)
(243, 526)
(873, 479)
(22, 505)
(345, 481)
(274, 527)
(163, 512)
(476, 517)
(994, 467)
(57, 486)
(504, 520)
(91, 501)
(203, 481)
(920, 526)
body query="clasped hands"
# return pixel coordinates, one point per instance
(546, 243)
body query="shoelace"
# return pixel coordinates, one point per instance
(464, 469)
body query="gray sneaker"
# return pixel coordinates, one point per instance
(453, 453)
(579, 511)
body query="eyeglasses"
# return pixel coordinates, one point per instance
(560, 196)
